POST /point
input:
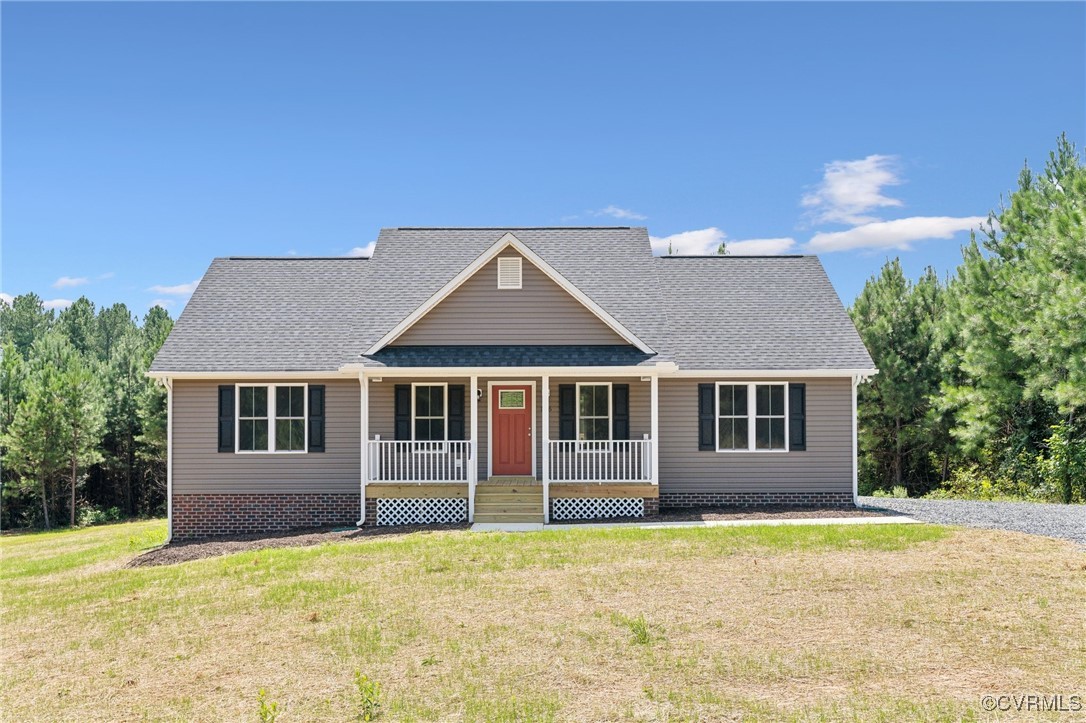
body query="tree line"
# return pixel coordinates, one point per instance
(981, 389)
(82, 427)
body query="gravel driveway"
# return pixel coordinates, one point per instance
(1037, 518)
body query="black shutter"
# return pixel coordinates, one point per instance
(226, 418)
(797, 417)
(706, 417)
(316, 417)
(403, 411)
(456, 411)
(620, 411)
(567, 411)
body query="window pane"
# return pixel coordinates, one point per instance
(584, 401)
(602, 407)
(585, 429)
(763, 405)
(245, 434)
(742, 430)
(511, 399)
(602, 428)
(761, 434)
(245, 407)
(422, 429)
(260, 405)
(437, 401)
(776, 433)
(726, 396)
(726, 437)
(740, 396)
(776, 397)
(422, 401)
(437, 429)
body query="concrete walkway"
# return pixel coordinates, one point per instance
(537, 526)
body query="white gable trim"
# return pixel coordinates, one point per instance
(508, 241)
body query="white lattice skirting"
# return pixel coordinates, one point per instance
(418, 511)
(591, 508)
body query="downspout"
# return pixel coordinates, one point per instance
(363, 452)
(168, 383)
(855, 445)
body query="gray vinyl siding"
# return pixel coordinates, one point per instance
(541, 312)
(826, 466)
(198, 466)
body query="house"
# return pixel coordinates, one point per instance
(492, 374)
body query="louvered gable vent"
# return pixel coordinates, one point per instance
(509, 272)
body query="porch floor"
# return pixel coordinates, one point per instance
(510, 482)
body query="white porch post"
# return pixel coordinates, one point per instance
(855, 446)
(364, 452)
(473, 467)
(654, 396)
(545, 400)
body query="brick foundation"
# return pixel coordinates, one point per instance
(207, 515)
(753, 499)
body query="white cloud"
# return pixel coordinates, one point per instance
(616, 212)
(164, 303)
(57, 303)
(897, 234)
(65, 282)
(851, 189)
(760, 246)
(7, 298)
(688, 243)
(178, 290)
(366, 250)
(706, 241)
(106, 275)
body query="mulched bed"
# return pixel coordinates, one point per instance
(213, 547)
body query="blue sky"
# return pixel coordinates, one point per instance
(142, 140)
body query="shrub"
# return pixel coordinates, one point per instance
(369, 697)
(89, 516)
(898, 492)
(1065, 466)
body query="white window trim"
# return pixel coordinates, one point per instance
(594, 445)
(433, 446)
(271, 419)
(518, 261)
(752, 417)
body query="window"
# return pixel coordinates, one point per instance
(511, 399)
(429, 412)
(752, 417)
(509, 272)
(732, 423)
(593, 412)
(769, 416)
(271, 418)
(290, 419)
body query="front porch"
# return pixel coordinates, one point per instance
(510, 449)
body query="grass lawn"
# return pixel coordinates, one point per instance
(891, 622)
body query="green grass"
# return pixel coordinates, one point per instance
(888, 622)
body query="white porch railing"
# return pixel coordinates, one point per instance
(615, 461)
(396, 461)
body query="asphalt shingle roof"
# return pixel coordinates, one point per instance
(734, 313)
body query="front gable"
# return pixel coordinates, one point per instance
(545, 310)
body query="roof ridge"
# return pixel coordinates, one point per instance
(738, 256)
(295, 258)
(514, 228)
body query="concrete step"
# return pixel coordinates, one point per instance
(511, 517)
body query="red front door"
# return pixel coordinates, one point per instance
(511, 429)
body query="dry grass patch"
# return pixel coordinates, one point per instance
(866, 623)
